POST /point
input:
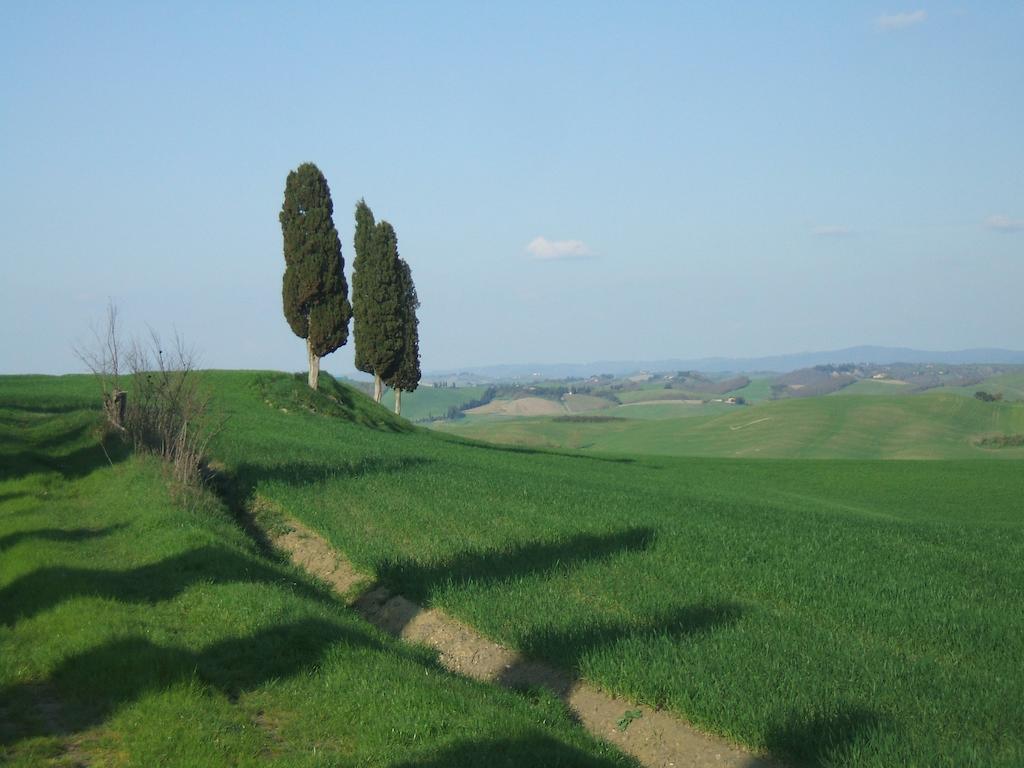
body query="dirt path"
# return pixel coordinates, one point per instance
(655, 738)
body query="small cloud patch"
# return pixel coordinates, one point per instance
(894, 21)
(542, 249)
(1000, 223)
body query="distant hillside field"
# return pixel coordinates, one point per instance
(874, 387)
(933, 425)
(432, 402)
(1009, 385)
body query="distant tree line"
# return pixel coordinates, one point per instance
(315, 292)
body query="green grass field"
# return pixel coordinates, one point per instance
(831, 612)
(933, 425)
(756, 391)
(887, 387)
(141, 629)
(430, 402)
(841, 613)
(1009, 385)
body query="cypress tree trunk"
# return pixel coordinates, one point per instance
(378, 387)
(314, 365)
(398, 402)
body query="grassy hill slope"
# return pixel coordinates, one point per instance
(141, 629)
(841, 613)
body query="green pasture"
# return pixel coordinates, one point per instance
(655, 394)
(885, 387)
(932, 425)
(757, 390)
(143, 628)
(1009, 385)
(432, 402)
(841, 613)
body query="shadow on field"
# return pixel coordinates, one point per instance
(471, 443)
(46, 588)
(419, 582)
(71, 466)
(51, 408)
(57, 534)
(307, 472)
(536, 749)
(63, 438)
(569, 647)
(12, 496)
(827, 739)
(88, 687)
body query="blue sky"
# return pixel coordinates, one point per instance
(569, 182)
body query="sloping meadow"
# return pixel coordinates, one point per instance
(143, 627)
(830, 612)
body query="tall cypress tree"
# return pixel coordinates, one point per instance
(314, 290)
(362, 312)
(376, 298)
(406, 376)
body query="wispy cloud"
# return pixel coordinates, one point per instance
(832, 230)
(543, 249)
(1000, 223)
(892, 21)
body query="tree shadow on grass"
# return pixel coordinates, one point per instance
(472, 443)
(825, 740)
(46, 588)
(247, 476)
(72, 466)
(57, 534)
(420, 582)
(537, 749)
(51, 409)
(11, 496)
(89, 687)
(568, 647)
(237, 486)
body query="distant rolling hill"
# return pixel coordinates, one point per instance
(775, 363)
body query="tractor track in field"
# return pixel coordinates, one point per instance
(656, 738)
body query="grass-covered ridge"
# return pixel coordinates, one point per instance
(840, 613)
(141, 628)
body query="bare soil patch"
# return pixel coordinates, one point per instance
(654, 737)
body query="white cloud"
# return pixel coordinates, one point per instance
(1000, 223)
(550, 250)
(832, 230)
(889, 21)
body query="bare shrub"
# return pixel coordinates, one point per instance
(167, 411)
(104, 357)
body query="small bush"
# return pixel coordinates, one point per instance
(988, 397)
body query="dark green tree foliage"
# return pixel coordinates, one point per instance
(377, 298)
(362, 312)
(406, 377)
(314, 289)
